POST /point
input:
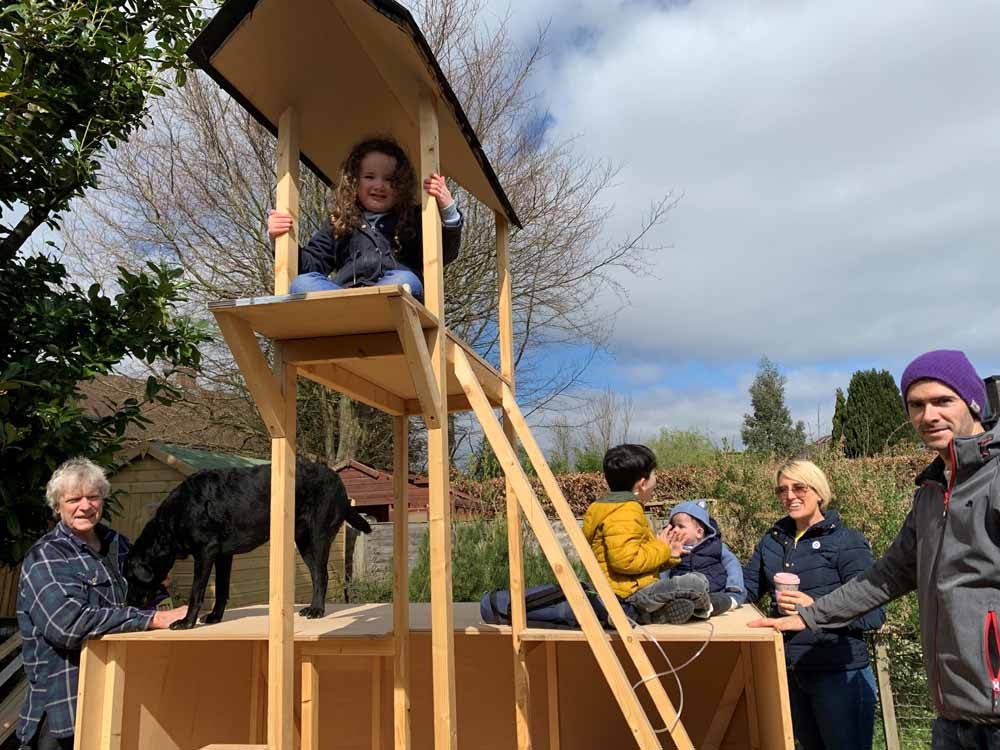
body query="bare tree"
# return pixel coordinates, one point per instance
(195, 187)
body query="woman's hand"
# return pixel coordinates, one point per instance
(278, 223)
(792, 623)
(165, 618)
(789, 600)
(436, 186)
(674, 538)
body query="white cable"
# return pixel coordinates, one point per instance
(672, 670)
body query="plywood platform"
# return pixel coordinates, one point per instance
(183, 690)
(349, 340)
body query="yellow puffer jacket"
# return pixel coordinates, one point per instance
(626, 548)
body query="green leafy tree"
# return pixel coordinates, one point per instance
(75, 78)
(683, 448)
(874, 417)
(769, 428)
(57, 337)
(837, 433)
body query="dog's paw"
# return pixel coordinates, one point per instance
(182, 625)
(312, 612)
(211, 618)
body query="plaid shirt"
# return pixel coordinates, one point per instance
(67, 593)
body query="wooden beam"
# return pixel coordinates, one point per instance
(376, 701)
(600, 644)
(281, 579)
(400, 583)
(885, 696)
(112, 705)
(260, 381)
(751, 693)
(330, 348)
(456, 402)
(375, 646)
(518, 619)
(310, 703)
(439, 501)
(735, 687)
(418, 359)
(619, 620)
(286, 247)
(343, 380)
(258, 692)
(552, 693)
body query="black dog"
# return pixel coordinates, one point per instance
(218, 513)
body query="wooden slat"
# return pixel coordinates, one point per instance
(13, 668)
(286, 247)
(331, 348)
(310, 703)
(10, 645)
(439, 501)
(260, 382)
(345, 381)
(400, 584)
(280, 640)
(735, 687)
(418, 360)
(349, 647)
(10, 710)
(112, 700)
(619, 620)
(599, 643)
(746, 656)
(886, 699)
(376, 703)
(258, 692)
(552, 693)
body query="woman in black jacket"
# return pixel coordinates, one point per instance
(830, 682)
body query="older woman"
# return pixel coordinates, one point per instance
(830, 682)
(71, 589)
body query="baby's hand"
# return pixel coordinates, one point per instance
(675, 539)
(278, 223)
(436, 186)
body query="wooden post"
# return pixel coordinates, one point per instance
(376, 693)
(258, 693)
(281, 581)
(439, 501)
(310, 703)
(522, 684)
(286, 247)
(401, 584)
(114, 695)
(885, 695)
(552, 688)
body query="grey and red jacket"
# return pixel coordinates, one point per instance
(948, 551)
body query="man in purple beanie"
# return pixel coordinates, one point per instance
(948, 551)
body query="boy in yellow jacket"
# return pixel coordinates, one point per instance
(628, 551)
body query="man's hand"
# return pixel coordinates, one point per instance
(788, 600)
(163, 620)
(436, 186)
(674, 538)
(278, 223)
(790, 623)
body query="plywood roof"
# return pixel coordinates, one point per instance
(352, 69)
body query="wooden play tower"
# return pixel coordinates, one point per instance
(323, 74)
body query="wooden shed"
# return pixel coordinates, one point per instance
(372, 490)
(147, 475)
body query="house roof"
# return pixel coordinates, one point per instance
(188, 460)
(352, 69)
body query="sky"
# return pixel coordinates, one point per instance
(838, 167)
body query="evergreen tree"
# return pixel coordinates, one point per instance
(837, 433)
(874, 417)
(769, 428)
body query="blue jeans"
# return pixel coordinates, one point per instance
(317, 282)
(963, 735)
(833, 710)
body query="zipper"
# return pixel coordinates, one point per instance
(991, 636)
(937, 560)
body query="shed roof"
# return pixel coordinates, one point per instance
(352, 69)
(189, 460)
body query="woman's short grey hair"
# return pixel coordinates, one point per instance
(80, 472)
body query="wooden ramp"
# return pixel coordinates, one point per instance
(186, 689)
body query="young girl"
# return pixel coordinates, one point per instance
(374, 235)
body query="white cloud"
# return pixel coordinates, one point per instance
(838, 163)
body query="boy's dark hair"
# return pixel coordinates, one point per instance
(624, 465)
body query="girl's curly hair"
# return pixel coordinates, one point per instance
(345, 211)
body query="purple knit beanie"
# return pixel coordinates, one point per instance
(952, 368)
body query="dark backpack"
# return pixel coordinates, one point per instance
(546, 607)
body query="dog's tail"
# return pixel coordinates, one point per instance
(358, 521)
